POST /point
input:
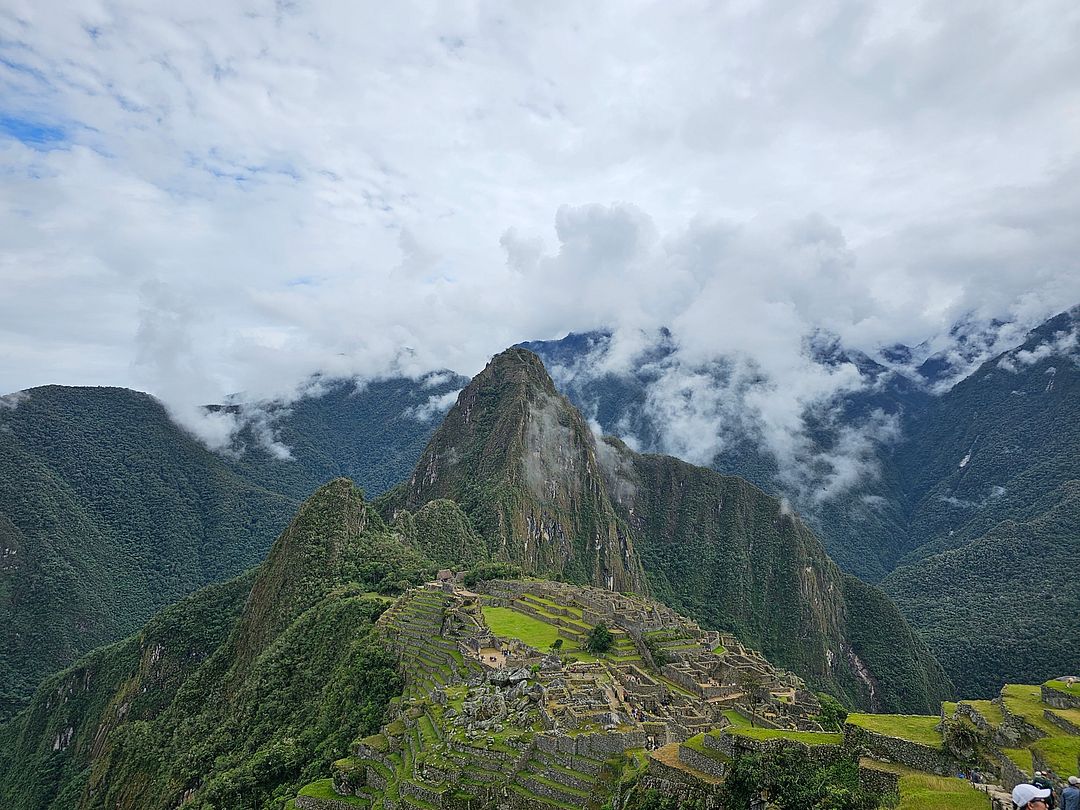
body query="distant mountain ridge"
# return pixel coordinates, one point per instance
(109, 511)
(997, 446)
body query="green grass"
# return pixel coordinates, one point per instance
(509, 623)
(1061, 686)
(991, 711)
(576, 611)
(324, 789)
(806, 737)
(697, 743)
(1021, 757)
(923, 791)
(1026, 701)
(916, 728)
(1060, 753)
(737, 719)
(1072, 715)
(719, 649)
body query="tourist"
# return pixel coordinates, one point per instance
(1029, 797)
(1042, 780)
(1070, 796)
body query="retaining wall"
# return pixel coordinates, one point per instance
(859, 740)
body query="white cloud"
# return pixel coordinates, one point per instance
(248, 194)
(1063, 344)
(435, 407)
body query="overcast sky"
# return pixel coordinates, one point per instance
(199, 198)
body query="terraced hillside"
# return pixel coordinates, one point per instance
(490, 712)
(505, 707)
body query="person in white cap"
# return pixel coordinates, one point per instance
(1070, 796)
(1029, 797)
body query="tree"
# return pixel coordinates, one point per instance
(833, 714)
(752, 686)
(556, 645)
(599, 640)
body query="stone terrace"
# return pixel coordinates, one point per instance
(487, 720)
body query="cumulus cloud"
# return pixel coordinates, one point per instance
(214, 199)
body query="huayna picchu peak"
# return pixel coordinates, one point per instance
(522, 462)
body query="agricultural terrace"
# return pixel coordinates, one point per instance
(509, 623)
(923, 791)
(916, 728)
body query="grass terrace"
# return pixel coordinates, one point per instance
(916, 728)
(737, 719)
(509, 623)
(923, 791)
(324, 789)
(1060, 753)
(991, 712)
(1026, 701)
(805, 737)
(571, 609)
(1021, 757)
(1061, 686)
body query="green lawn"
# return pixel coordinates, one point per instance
(807, 737)
(509, 623)
(1021, 757)
(1060, 753)
(917, 728)
(921, 791)
(738, 720)
(719, 649)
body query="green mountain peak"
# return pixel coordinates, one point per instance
(521, 461)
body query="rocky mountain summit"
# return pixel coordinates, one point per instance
(547, 495)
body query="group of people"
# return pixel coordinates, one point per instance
(1039, 794)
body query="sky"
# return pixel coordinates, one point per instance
(204, 198)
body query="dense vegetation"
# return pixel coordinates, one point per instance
(974, 491)
(719, 549)
(233, 698)
(109, 511)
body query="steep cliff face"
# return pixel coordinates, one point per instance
(521, 462)
(721, 550)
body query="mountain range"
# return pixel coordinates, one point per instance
(234, 695)
(110, 511)
(968, 498)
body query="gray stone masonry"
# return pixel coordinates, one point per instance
(878, 780)
(1058, 699)
(859, 740)
(733, 745)
(706, 764)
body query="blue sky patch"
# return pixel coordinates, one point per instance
(33, 133)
